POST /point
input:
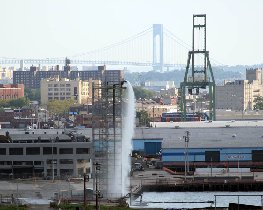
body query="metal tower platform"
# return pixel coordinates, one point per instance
(201, 76)
(107, 138)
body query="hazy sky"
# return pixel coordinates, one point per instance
(58, 28)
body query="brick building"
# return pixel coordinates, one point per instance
(10, 91)
(32, 78)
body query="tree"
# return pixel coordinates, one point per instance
(60, 107)
(32, 94)
(143, 117)
(258, 103)
(14, 103)
(140, 92)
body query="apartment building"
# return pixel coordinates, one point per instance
(63, 89)
(240, 94)
(33, 77)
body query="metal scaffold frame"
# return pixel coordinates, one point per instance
(199, 78)
(107, 134)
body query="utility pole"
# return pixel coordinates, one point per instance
(52, 159)
(97, 168)
(153, 116)
(186, 160)
(86, 179)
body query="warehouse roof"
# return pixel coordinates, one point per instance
(205, 137)
(208, 124)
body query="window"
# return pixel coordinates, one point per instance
(2, 151)
(15, 151)
(33, 150)
(49, 161)
(66, 161)
(66, 151)
(48, 150)
(212, 156)
(257, 155)
(37, 162)
(82, 151)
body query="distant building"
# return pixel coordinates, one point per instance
(9, 91)
(159, 85)
(153, 109)
(63, 89)
(240, 94)
(32, 78)
(6, 73)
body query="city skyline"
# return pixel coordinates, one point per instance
(50, 29)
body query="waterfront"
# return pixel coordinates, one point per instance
(166, 199)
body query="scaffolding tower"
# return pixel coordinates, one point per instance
(201, 76)
(107, 137)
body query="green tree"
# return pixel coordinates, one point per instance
(14, 103)
(140, 92)
(258, 103)
(32, 94)
(60, 107)
(143, 117)
(19, 102)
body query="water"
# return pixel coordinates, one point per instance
(118, 186)
(222, 201)
(127, 133)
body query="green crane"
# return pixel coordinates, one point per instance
(202, 75)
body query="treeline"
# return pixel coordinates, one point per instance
(14, 103)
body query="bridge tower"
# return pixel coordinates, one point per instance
(201, 76)
(157, 47)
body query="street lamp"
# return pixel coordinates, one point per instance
(186, 161)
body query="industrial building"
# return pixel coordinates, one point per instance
(36, 153)
(216, 144)
(221, 144)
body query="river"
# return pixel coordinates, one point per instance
(202, 199)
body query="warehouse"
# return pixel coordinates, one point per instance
(147, 147)
(218, 144)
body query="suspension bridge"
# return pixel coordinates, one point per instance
(155, 47)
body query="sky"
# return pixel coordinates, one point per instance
(60, 28)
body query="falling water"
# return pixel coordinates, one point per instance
(120, 164)
(127, 133)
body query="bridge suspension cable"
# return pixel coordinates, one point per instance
(120, 43)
